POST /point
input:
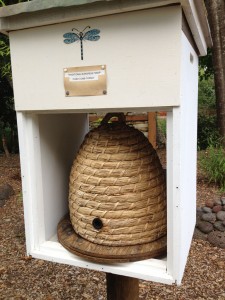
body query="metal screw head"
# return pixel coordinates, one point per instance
(67, 93)
(103, 67)
(104, 92)
(65, 70)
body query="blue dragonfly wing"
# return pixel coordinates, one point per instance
(92, 35)
(70, 37)
(93, 38)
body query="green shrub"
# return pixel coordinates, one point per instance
(206, 96)
(208, 133)
(207, 123)
(161, 131)
(212, 163)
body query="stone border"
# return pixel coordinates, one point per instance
(210, 222)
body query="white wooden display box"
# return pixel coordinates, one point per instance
(152, 66)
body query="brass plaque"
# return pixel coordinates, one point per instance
(85, 81)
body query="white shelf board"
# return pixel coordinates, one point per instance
(150, 269)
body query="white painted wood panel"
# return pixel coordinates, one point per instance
(25, 127)
(192, 16)
(181, 158)
(188, 150)
(61, 136)
(141, 49)
(48, 144)
(152, 269)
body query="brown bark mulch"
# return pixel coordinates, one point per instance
(22, 277)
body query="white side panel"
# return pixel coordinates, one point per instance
(170, 127)
(140, 49)
(27, 129)
(61, 136)
(48, 144)
(184, 164)
(188, 138)
(181, 166)
(173, 191)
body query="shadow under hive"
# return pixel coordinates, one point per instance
(117, 197)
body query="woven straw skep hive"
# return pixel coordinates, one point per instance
(117, 191)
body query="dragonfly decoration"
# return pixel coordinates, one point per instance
(90, 35)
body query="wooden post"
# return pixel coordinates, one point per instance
(152, 128)
(122, 287)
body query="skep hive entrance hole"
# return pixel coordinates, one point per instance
(117, 196)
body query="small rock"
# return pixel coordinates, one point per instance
(206, 209)
(223, 200)
(217, 208)
(6, 191)
(217, 238)
(199, 215)
(224, 207)
(209, 204)
(209, 217)
(217, 201)
(219, 226)
(220, 216)
(205, 227)
(223, 223)
(199, 211)
(198, 219)
(198, 235)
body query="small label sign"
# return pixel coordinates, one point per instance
(85, 81)
(85, 76)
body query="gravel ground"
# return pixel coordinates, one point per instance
(22, 277)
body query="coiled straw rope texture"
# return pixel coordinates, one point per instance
(117, 177)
